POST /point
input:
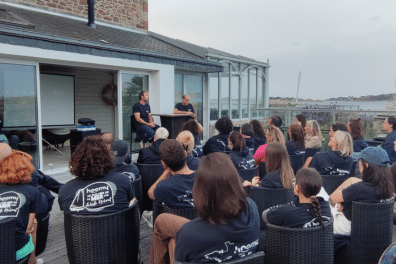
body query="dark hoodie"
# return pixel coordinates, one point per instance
(359, 145)
(243, 160)
(250, 144)
(258, 141)
(197, 150)
(199, 241)
(192, 162)
(218, 143)
(331, 163)
(150, 155)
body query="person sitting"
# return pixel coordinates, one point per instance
(196, 129)
(301, 120)
(258, 134)
(339, 160)
(227, 217)
(247, 133)
(389, 126)
(272, 134)
(355, 128)
(150, 155)
(119, 149)
(276, 121)
(219, 143)
(313, 135)
(91, 163)
(279, 171)
(296, 145)
(335, 127)
(375, 186)
(307, 210)
(174, 187)
(240, 155)
(108, 138)
(187, 140)
(15, 174)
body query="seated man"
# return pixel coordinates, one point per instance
(185, 108)
(144, 122)
(150, 155)
(120, 151)
(108, 138)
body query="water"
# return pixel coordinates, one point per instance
(354, 105)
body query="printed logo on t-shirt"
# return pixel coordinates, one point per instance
(226, 253)
(315, 222)
(94, 197)
(186, 198)
(10, 203)
(222, 143)
(130, 175)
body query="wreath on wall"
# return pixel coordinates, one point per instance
(106, 90)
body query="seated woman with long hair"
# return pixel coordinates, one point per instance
(240, 155)
(272, 134)
(227, 218)
(20, 200)
(375, 186)
(355, 128)
(91, 163)
(339, 160)
(313, 135)
(279, 171)
(300, 120)
(296, 145)
(196, 129)
(258, 134)
(307, 210)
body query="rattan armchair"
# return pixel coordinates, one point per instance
(331, 182)
(256, 258)
(158, 208)
(7, 242)
(248, 174)
(149, 174)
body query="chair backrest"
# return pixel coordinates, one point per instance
(299, 245)
(256, 258)
(7, 240)
(331, 182)
(310, 152)
(371, 230)
(109, 238)
(268, 197)
(150, 174)
(133, 128)
(262, 169)
(296, 162)
(248, 174)
(189, 213)
(137, 190)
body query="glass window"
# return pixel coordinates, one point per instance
(214, 95)
(194, 85)
(132, 85)
(234, 94)
(224, 93)
(244, 94)
(18, 108)
(253, 88)
(178, 88)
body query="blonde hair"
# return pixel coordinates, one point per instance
(315, 128)
(275, 134)
(161, 133)
(187, 139)
(344, 142)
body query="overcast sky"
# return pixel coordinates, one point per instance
(342, 48)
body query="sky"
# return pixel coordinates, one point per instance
(342, 48)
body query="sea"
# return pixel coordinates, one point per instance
(352, 105)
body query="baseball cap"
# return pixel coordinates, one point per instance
(120, 150)
(375, 155)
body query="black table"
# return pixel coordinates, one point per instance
(172, 122)
(76, 137)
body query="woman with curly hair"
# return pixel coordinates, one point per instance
(94, 190)
(355, 128)
(196, 129)
(219, 143)
(19, 200)
(258, 134)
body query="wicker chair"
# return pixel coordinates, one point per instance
(248, 174)
(299, 245)
(7, 242)
(268, 197)
(371, 231)
(149, 173)
(158, 208)
(137, 190)
(310, 152)
(331, 182)
(296, 162)
(256, 258)
(109, 238)
(42, 233)
(262, 171)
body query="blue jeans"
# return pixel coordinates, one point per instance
(145, 132)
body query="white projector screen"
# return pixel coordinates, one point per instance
(57, 100)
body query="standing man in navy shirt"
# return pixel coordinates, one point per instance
(185, 108)
(144, 122)
(389, 126)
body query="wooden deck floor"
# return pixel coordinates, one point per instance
(55, 252)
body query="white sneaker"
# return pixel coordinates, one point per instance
(39, 261)
(148, 217)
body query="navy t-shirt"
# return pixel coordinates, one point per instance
(199, 241)
(187, 108)
(218, 143)
(109, 194)
(144, 111)
(192, 162)
(389, 146)
(197, 151)
(176, 191)
(18, 201)
(297, 215)
(243, 160)
(331, 163)
(271, 180)
(129, 170)
(294, 149)
(359, 192)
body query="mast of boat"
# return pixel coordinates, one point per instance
(298, 86)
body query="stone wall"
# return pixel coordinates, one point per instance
(127, 13)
